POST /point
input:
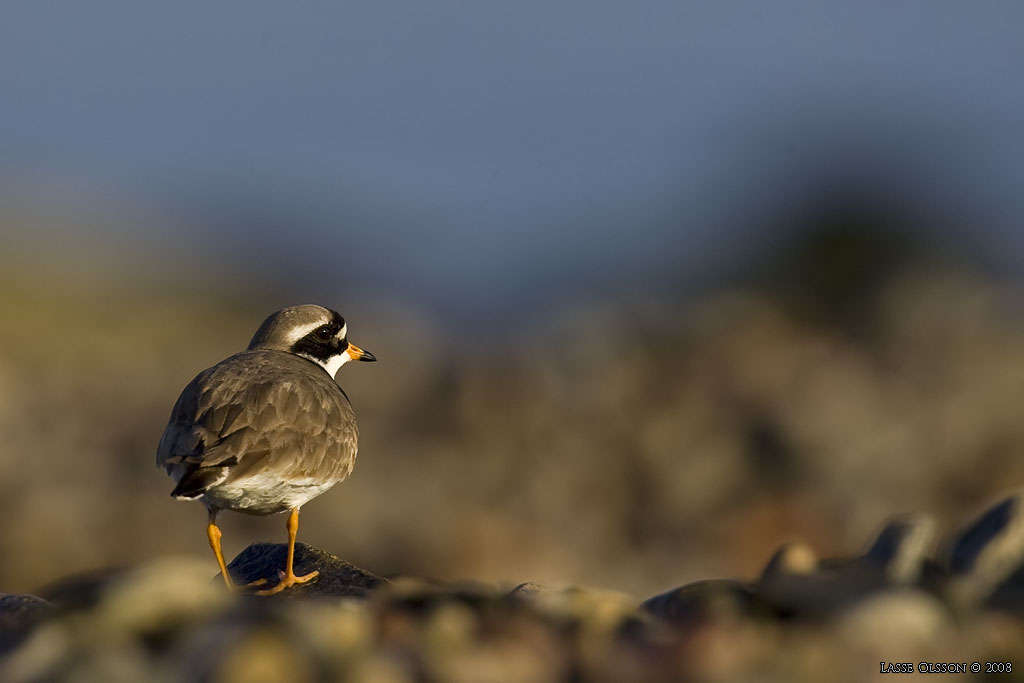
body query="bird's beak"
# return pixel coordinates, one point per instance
(356, 353)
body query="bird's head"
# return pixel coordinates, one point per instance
(313, 332)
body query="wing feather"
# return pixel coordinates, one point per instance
(259, 410)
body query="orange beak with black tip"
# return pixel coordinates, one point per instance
(356, 353)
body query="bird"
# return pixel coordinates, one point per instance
(268, 429)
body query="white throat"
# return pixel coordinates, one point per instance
(332, 364)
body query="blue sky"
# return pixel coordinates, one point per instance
(472, 152)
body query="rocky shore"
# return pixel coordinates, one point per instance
(898, 604)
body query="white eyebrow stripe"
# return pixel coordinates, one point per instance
(299, 332)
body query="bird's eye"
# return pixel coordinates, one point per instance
(324, 333)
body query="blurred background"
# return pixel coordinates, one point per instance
(654, 286)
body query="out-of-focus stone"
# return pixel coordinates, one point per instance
(337, 578)
(987, 553)
(157, 597)
(420, 598)
(381, 667)
(894, 620)
(37, 656)
(22, 607)
(707, 601)
(142, 600)
(810, 597)
(497, 660)
(218, 647)
(82, 589)
(340, 630)
(898, 552)
(1009, 596)
(792, 558)
(527, 591)
(18, 612)
(264, 655)
(596, 610)
(450, 628)
(56, 651)
(798, 585)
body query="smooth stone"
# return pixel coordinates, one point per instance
(905, 618)
(815, 596)
(834, 585)
(794, 558)
(337, 578)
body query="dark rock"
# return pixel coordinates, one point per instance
(898, 551)
(815, 596)
(995, 538)
(22, 608)
(527, 591)
(422, 597)
(793, 579)
(820, 593)
(800, 586)
(987, 553)
(337, 578)
(81, 590)
(703, 601)
(527, 594)
(18, 613)
(1009, 596)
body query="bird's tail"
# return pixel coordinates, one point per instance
(194, 483)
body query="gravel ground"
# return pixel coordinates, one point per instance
(802, 619)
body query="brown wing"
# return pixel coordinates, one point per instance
(265, 410)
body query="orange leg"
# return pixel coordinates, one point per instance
(213, 533)
(288, 577)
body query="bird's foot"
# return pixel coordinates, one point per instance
(241, 588)
(288, 580)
